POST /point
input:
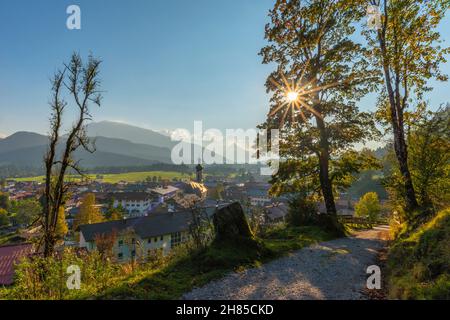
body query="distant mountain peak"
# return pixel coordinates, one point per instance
(135, 134)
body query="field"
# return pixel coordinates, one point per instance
(114, 178)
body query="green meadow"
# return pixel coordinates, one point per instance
(115, 178)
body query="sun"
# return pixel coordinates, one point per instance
(292, 96)
(299, 96)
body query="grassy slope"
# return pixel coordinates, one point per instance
(189, 271)
(419, 266)
(114, 178)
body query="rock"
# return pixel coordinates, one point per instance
(231, 225)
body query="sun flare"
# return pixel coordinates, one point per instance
(292, 96)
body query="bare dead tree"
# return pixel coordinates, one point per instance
(82, 83)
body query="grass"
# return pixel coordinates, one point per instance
(170, 278)
(419, 265)
(193, 270)
(115, 178)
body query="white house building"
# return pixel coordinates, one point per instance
(137, 204)
(140, 237)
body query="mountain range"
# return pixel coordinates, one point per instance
(117, 144)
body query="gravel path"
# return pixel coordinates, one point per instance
(330, 270)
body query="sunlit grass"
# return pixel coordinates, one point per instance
(115, 178)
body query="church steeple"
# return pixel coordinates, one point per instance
(199, 172)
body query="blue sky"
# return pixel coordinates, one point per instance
(166, 63)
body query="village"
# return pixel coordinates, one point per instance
(146, 218)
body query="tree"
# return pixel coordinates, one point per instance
(320, 75)
(429, 155)
(105, 244)
(26, 211)
(82, 83)
(407, 49)
(368, 207)
(4, 201)
(429, 150)
(88, 213)
(115, 213)
(61, 227)
(4, 219)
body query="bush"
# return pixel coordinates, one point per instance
(46, 278)
(302, 211)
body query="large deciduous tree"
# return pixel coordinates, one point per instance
(81, 81)
(310, 44)
(406, 47)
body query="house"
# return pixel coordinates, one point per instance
(164, 193)
(137, 204)
(258, 197)
(9, 256)
(141, 236)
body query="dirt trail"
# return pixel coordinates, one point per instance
(330, 270)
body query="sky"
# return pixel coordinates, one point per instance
(166, 63)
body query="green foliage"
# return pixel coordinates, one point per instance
(26, 211)
(429, 158)
(366, 181)
(368, 207)
(419, 266)
(302, 211)
(310, 42)
(4, 218)
(429, 152)
(115, 213)
(45, 278)
(4, 201)
(161, 277)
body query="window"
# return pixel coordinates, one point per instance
(175, 239)
(120, 256)
(161, 238)
(120, 243)
(156, 240)
(149, 240)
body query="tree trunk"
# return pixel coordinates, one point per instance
(401, 152)
(397, 122)
(324, 163)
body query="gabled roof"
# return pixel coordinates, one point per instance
(164, 190)
(130, 196)
(156, 224)
(9, 256)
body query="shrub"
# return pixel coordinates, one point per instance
(302, 211)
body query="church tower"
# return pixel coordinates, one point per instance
(199, 173)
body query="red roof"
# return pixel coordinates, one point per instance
(9, 255)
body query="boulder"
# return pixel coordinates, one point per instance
(230, 224)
